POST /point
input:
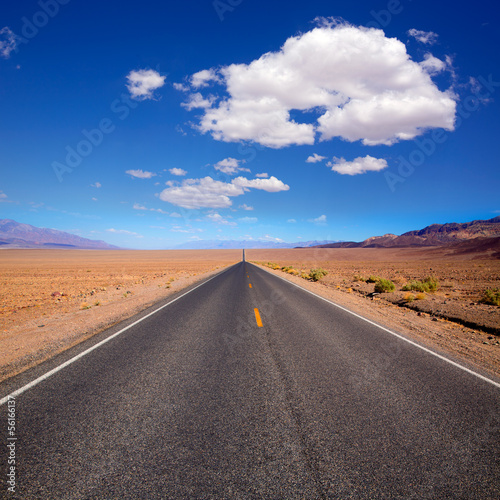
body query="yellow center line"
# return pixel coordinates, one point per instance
(257, 317)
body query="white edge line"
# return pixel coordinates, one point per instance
(28, 386)
(472, 372)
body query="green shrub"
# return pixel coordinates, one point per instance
(317, 274)
(383, 285)
(430, 284)
(358, 277)
(373, 279)
(491, 297)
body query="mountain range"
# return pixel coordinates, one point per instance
(478, 233)
(16, 235)
(431, 236)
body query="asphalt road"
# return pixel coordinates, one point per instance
(199, 401)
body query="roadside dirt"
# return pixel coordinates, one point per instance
(50, 300)
(450, 320)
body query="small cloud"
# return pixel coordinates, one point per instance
(202, 78)
(218, 219)
(262, 176)
(230, 166)
(291, 221)
(248, 220)
(142, 83)
(180, 87)
(96, 185)
(245, 207)
(140, 174)
(177, 171)
(139, 207)
(427, 37)
(357, 166)
(94, 199)
(3, 196)
(315, 158)
(319, 221)
(7, 42)
(175, 214)
(123, 231)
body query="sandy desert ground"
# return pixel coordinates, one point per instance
(53, 299)
(452, 318)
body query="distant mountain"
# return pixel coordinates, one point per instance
(16, 235)
(247, 244)
(430, 236)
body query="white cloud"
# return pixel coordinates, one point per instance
(137, 206)
(245, 207)
(123, 231)
(7, 42)
(248, 220)
(315, 158)
(271, 185)
(197, 101)
(175, 214)
(177, 171)
(3, 196)
(96, 185)
(357, 166)
(263, 175)
(291, 221)
(427, 37)
(142, 83)
(181, 87)
(202, 78)
(230, 166)
(432, 64)
(140, 174)
(209, 193)
(320, 221)
(218, 219)
(94, 199)
(363, 85)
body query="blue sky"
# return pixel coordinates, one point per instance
(152, 124)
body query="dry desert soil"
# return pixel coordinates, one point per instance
(50, 300)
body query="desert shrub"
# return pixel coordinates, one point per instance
(84, 306)
(430, 284)
(293, 272)
(317, 274)
(358, 277)
(409, 297)
(373, 279)
(286, 268)
(420, 296)
(383, 285)
(491, 297)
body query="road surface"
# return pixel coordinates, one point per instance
(250, 387)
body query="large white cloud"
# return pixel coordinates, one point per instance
(358, 165)
(361, 85)
(142, 83)
(209, 193)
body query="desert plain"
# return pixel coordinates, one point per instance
(50, 300)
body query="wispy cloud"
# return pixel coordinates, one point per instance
(315, 158)
(140, 174)
(358, 165)
(427, 37)
(230, 166)
(248, 220)
(142, 83)
(96, 185)
(7, 42)
(319, 221)
(123, 231)
(245, 207)
(177, 171)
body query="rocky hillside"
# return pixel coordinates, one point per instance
(434, 235)
(16, 235)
